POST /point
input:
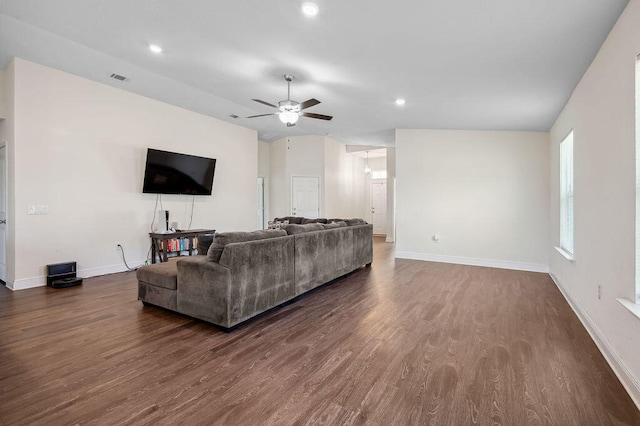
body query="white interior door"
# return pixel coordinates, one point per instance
(260, 190)
(3, 213)
(379, 207)
(305, 196)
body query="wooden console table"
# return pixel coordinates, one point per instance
(163, 243)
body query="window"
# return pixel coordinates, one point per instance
(566, 194)
(379, 174)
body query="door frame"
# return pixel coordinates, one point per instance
(5, 178)
(261, 196)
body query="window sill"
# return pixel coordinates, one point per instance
(634, 308)
(566, 255)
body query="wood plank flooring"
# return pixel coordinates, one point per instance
(401, 343)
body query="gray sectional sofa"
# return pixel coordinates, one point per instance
(246, 273)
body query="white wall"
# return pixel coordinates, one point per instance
(305, 157)
(4, 96)
(7, 136)
(344, 182)
(280, 188)
(378, 163)
(263, 171)
(391, 196)
(341, 177)
(263, 159)
(80, 148)
(601, 111)
(484, 193)
(335, 178)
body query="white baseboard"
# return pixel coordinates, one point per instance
(27, 283)
(104, 270)
(626, 377)
(490, 263)
(41, 281)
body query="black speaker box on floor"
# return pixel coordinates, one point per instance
(61, 275)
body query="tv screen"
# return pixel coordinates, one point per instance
(173, 173)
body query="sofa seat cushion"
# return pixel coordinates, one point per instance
(293, 229)
(223, 238)
(163, 274)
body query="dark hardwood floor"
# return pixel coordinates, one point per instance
(403, 342)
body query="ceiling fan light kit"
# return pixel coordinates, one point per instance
(310, 8)
(289, 111)
(289, 117)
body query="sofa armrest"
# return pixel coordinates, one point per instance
(204, 290)
(363, 244)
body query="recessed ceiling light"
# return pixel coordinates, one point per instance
(155, 48)
(400, 102)
(310, 8)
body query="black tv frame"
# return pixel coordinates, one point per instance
(169, 172)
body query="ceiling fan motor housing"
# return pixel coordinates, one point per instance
(289, 105)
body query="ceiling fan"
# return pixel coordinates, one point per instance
(289, 111)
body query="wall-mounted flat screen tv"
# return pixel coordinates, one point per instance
(173, 173)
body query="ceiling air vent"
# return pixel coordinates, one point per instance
(119, 77)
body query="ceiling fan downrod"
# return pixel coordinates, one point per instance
(289, 79)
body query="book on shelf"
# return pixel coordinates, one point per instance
(178, 244)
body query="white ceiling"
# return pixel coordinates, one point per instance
(460, 64)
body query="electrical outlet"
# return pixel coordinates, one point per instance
(37, 209)
(599, 292)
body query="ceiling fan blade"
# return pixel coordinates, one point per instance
(261, 115)
(318, 116)
(264, 103)
(309, 103)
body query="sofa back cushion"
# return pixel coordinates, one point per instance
(293, 229)
(204, 241)
(317, 220)
(355, 221)
(333, 225)
(291, 219)
(221, 239)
